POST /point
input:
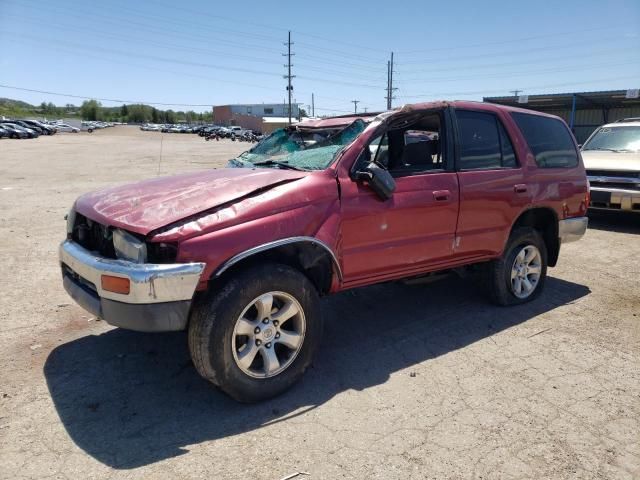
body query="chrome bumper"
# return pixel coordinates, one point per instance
(606, 198)
(159, 297)
(572, 229)
(150, 283)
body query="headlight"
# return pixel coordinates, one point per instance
(71, 221)
(128, 247)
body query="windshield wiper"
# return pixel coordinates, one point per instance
(286, 165)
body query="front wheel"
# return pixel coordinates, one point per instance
(519, 275)
(255, 337)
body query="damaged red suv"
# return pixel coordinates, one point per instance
(241, 255)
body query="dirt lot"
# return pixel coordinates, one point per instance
(421, 381)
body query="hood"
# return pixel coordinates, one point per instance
(605, 160)
(146, 206)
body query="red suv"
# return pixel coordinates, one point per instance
(240, 256)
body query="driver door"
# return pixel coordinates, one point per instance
(413, 230)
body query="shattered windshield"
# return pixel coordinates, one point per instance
(299, 148)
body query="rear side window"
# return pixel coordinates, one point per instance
(484, 143)
(548, 139)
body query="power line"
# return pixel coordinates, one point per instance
(115, 100)
(514, 40)
(538, 71)
(355, 105)
(513, 52)
(536, 87)
(594, 53)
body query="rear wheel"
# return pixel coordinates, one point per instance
(519, 275)
(255, 337)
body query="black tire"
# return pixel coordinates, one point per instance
(214, 317)
(499, 271)
(15, 135)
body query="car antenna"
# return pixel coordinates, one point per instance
(160, 159)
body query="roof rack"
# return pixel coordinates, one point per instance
(632, 119)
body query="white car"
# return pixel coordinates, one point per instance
(611, 157)
(63, 127)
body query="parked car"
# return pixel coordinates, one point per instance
(4, 133)
(240, 256)
(36, 128)
(63, 127)
(49, 129)
(612, 159)
(19, 131)
(22, 124)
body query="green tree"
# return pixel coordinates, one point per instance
(124, 111)
(91, 110)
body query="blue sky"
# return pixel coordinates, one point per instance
(204, 53)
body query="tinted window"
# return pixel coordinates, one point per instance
(548, 139)
(508, 155)
(483, 142)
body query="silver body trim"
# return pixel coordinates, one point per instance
(572, 229)
(150, 283)
(285, 241)
(595, 179)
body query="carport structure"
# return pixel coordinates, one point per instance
(583, 111)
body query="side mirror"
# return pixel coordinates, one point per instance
(378, 179)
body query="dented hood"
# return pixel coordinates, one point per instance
(146, 206)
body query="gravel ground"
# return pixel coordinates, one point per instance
(412, 381)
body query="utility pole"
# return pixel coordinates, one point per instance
(515, 92)
(390, 88)
(313, 106)
(355, 105)
(289, 76)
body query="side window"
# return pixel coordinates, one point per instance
(484, 143)
(413, 149)
(508, 155)
(416, 148)
(549, 140)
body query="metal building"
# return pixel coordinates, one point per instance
(584, 111)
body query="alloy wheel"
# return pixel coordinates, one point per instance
(268, 335)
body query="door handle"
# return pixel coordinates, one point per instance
(441, 195)
(520, 188)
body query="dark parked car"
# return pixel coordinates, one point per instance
(16, 131)
(45, 129)
(36, 128)
(4, 133)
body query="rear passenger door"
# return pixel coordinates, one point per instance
(493, 187)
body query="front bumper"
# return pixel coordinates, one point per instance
(572, 229)
(159, 297)
(615, 199)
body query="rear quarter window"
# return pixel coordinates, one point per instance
(549, 140)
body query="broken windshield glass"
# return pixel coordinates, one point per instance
(300, 148)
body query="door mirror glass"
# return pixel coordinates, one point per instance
(378, 179)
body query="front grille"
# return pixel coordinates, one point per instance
(623, 186)
(614, 179)
(93, 236)
(612, 173)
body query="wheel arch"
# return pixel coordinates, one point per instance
(545, 220)
(308, 254)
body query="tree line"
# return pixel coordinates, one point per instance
(93, 110)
